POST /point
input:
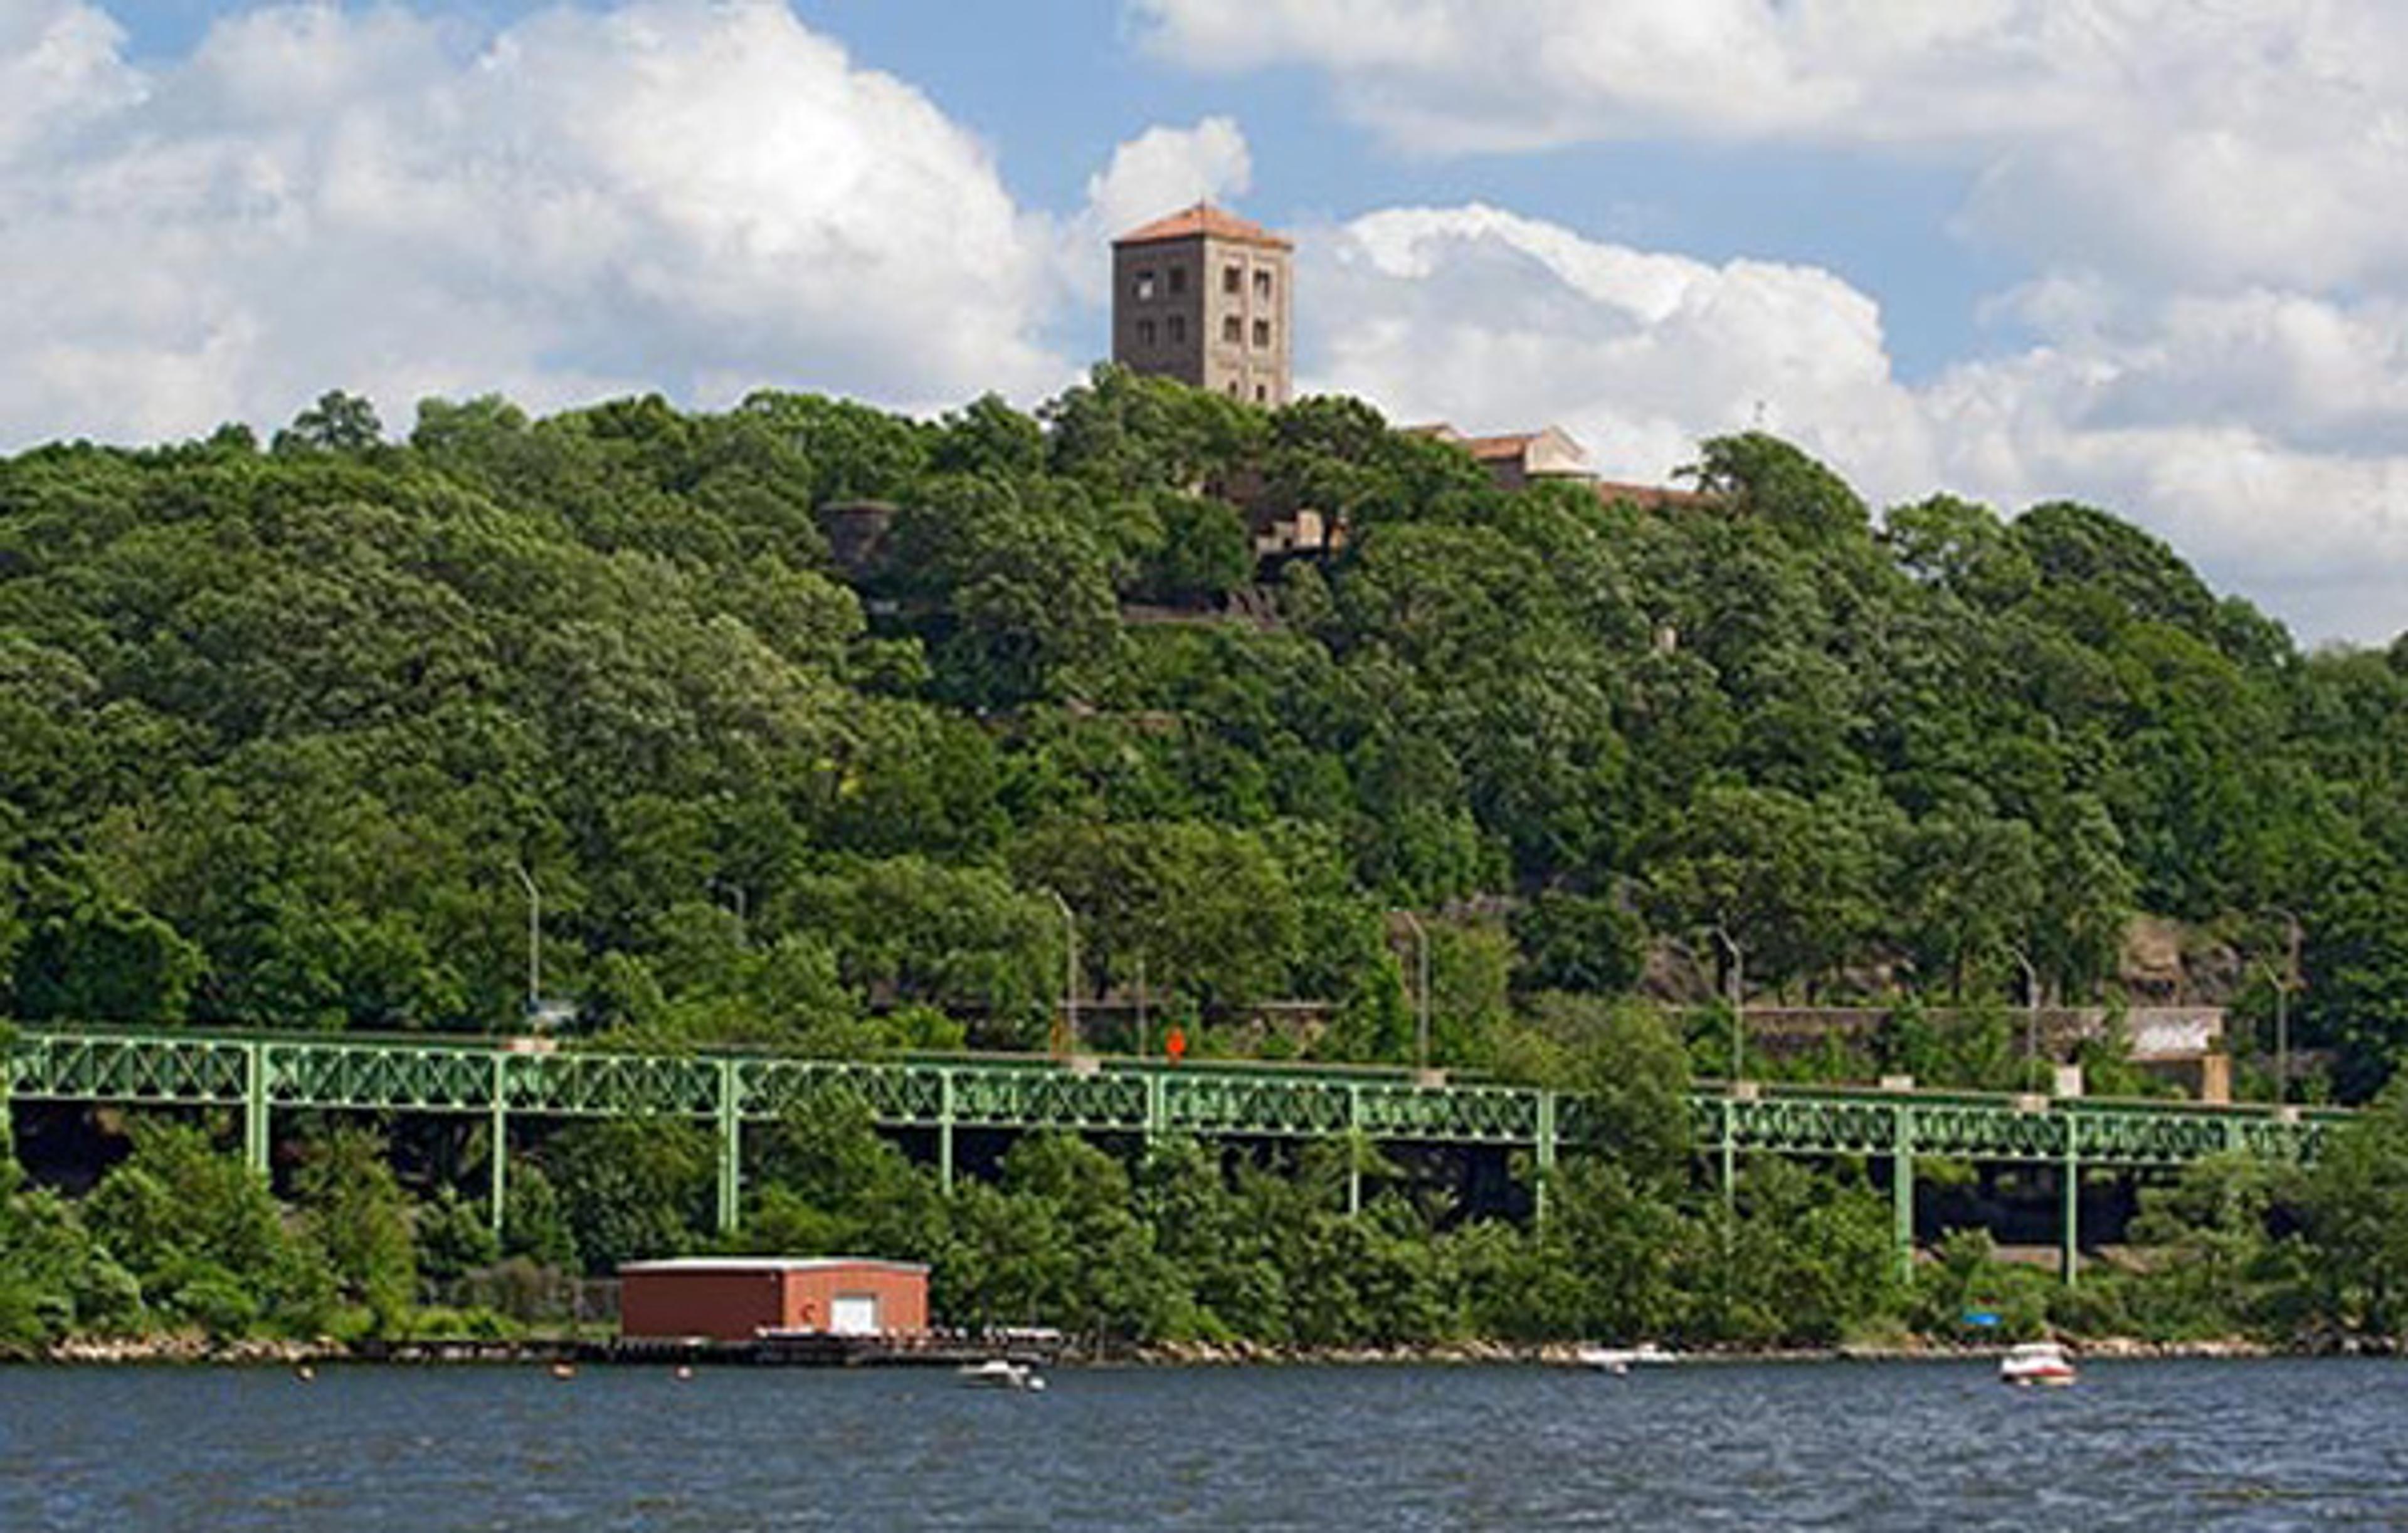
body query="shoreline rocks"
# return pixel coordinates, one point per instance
(191, 1347)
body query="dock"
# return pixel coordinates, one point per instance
(775, 1349)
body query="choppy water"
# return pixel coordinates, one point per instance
(2170, 1445)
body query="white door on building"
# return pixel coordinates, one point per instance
(854, 1314)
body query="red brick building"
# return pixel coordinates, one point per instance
(736, 1299)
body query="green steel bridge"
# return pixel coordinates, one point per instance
(499, 1079)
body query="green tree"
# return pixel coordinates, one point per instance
(202, 1235)
(631, 1189)
(357, 1214)
(337, 422)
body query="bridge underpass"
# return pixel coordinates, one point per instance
(499, 1080)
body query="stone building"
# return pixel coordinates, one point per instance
(1520, 459)
(1204, 296)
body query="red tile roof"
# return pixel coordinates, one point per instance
(1510, 446)
(1204, 219)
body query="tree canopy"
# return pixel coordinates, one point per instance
(285, 726)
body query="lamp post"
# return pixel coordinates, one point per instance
(2031, 1005)
(1738, 999)
(535, 939)
(1420, 990)
(1069, 972)
(2282, 1030)
(2283, 985)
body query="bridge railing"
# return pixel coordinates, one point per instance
(500, 1077)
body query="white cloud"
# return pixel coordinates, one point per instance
(59, 65)
(705, 198)
(2264, 434)
(2205, 194)
(1160, 170)
(2236, 427)
(1166, 168)
(2254, 140)
(1496, 321)
(674, 195)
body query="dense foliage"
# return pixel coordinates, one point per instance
(298, 737)
(1177, 1242)
(286, 726)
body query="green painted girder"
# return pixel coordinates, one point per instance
(477, 1075)
(338, 1074)
(114, 1067)
(1982, 1127)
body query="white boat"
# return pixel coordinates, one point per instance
(1000, 1374)
(1623, 1359)
(2036, 1363)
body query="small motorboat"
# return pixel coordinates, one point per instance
(1001, 1373)
(2036, 1363)
(1623, 1359)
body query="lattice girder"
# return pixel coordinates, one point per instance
(461, 1075)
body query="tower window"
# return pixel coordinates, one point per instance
(1178, 278)
(1179, 330)
(1230, 279)
(1145, 332)
(1144, 286)
(1262, 394)
(1262, 283)
(1262, 332)
(1232, 330)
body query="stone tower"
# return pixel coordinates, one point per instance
(1203, 296)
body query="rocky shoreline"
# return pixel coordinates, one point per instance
(192, 1348)
(1567, 1354)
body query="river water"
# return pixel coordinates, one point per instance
(1907, 1445)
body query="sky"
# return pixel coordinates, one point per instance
(2143, 253)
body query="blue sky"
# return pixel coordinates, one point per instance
(2140, 252)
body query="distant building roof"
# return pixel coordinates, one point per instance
(1554, 441)
(1510, 445)
(1654, 498)
(1550, 452)
(765, 1264)
(1204, 219)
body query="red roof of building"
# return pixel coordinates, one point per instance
(1204, 219)
(1512, 445)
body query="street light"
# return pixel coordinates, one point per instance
(535, 939)
(1421, 1001)
(1738, 999)
(2031, 1005)
(2281, 1002)
(1070, 971)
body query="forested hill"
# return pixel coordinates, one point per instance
(284, 726)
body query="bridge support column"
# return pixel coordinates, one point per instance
(1727, 1110)
(254, 1107)
(731, 1147)
(2070, 1259)
(497, 1153)
(1546, 1150)
(945, 1131)
(1354, 1150)
(1901, 1189)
